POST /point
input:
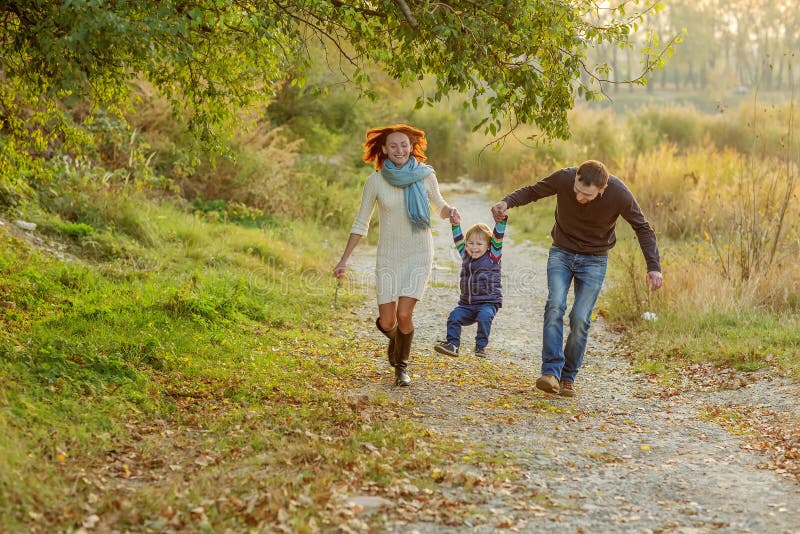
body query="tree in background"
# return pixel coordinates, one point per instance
(728, 44)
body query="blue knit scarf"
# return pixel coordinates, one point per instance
(409, 177)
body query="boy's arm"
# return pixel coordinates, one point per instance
(496, 246)
(458, 239)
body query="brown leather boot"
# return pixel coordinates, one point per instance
(401, 357)
(391, 334)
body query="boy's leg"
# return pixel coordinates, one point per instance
(590, 271)
(460, 316)
(484, 318)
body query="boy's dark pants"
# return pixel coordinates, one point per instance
(467, 314)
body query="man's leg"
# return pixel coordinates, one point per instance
(590, 271)
(559, 277)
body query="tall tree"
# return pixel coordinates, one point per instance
(520, 60)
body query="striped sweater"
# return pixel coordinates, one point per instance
(495, 247)
(480, 277)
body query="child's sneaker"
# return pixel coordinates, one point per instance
(443, 347)
(480, 352)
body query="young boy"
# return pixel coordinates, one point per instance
(481, 290)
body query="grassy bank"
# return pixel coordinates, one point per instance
(199, 380)
(703, 316)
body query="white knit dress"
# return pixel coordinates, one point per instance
(405, 254)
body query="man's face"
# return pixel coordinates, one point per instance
(586, 193)
(398, 148)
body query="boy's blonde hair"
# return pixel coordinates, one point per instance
(479, 228)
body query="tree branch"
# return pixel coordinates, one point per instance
(361, 10)
(407, 13)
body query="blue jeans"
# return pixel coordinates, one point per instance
(559, 359)
(467, 314)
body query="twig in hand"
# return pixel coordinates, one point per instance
(336, 292)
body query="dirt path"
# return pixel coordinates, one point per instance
(623, 456)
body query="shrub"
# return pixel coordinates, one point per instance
(679, 126)
(596, 134)
(447, 138)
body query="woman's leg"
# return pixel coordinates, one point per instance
(405, 334)
(405, 314)
(387, 315)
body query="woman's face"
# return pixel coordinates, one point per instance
(398, 148)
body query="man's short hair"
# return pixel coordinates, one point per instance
(593, 172)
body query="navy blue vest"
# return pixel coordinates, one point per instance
(480, 281)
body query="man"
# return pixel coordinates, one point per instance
(588, 203)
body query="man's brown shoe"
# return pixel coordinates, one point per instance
(548, 383)
(566, 389)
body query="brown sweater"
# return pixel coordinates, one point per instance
(590, 228)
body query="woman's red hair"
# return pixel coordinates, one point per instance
(376, 139)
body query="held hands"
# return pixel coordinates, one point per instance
(654, 280)
(455, 217)
(499, 211)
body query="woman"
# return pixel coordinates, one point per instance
(404, 187)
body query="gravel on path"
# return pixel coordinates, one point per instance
(622, 456)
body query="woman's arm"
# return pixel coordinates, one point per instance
(341, 267)
(360, 225)
(435, 196)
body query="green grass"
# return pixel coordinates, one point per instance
(746, 341)
(199, 379)
(92, 354)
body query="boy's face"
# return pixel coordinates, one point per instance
(477, 245)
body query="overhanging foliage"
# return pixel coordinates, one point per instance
(521, 61)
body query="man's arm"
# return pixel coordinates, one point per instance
(531, 193)
(645, 235)
(499, 211)
(647, 242)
